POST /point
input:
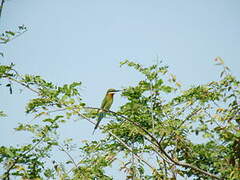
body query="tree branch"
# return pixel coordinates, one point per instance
(23, 84)
(62, 149)
(1, 8)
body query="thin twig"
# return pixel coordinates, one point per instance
(1, 8)
(64, 150)
(23, 84)
(83, 158)
(18, 34)
(187, 118)
(10, 39)
(165, 168)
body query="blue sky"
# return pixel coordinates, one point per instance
(84, 41)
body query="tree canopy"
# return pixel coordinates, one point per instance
(152, 134)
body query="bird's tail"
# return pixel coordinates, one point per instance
(100, 117)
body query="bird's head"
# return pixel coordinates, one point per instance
(112, 91)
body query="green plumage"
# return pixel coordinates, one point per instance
(107, 102)
(106, 105)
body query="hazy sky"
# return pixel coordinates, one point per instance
(78, 40)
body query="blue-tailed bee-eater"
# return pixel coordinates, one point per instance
(105, 106)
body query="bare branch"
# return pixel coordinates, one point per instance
(1, 7)
(64, 150)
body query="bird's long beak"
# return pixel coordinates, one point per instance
(113, 91)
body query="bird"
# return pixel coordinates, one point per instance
(105, 106)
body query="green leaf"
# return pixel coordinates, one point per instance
(10, 33)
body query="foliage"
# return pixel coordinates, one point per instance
(7, 36)
(153, 135)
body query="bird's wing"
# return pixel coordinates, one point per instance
(104, 102)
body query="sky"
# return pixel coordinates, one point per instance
(85, 41)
